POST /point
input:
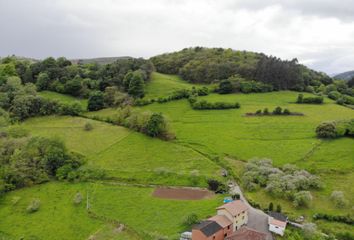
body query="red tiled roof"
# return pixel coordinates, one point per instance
(221, 220)
(276, 222)
(235, 207)
(246, 233)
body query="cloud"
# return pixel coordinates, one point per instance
(318, 33)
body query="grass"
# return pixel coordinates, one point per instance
(61, 219)
(63, 98)
(127, 155)
(162, 85)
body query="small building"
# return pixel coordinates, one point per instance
(236, 212)
(277, 222)
(246, 233)
(208, 230)
(224, 222)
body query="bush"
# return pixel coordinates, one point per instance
(204, 105)
(266, 111)
(326, 130)
(96, 101)
(277, 111)
(302, 199)
(216, 186)
(78, 198)
(334, 95)
(337, 197)
(315, 100)
(270, 207)
(33, 206)
(236, 196)
(190, 220)
(286, 111)
(156, 125)
(88, 126)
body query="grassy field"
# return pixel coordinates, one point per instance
(61, 219)
(162, 85)
(127, 155)
(63, 98)
(132, 157)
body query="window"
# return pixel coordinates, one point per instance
(213, 237)
(228, 227)
(225, 235)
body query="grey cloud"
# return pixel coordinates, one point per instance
(318, 33)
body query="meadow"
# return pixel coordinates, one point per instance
(62, 219)
(162, 85)
(62, 98)
(127, 155)
(201, 137)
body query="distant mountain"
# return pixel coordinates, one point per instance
(102, 60)
(345, 76)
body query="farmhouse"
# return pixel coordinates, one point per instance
(236, 212)
(208, 230)
(277, 222)
(246, 233)
(224, 222)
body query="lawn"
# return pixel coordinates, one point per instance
(134, 206)
(162, 85)
(127, 155)
(63, 98)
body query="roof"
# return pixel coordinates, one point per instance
(278, 216)
(276, 222)
(235, 207)
(208, 227)
(246, 233)
(221, 220)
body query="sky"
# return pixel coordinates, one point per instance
(319, 33)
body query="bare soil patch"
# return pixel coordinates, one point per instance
(182, 193)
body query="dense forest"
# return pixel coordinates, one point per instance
(205, 65)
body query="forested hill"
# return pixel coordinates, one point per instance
(205, 65)
(345, 76)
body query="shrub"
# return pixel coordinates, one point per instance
(96, 101)
(156, 125)
(302, 199)
(278, 208)
(334, 95)
(190, 220)
(78, 198)
(337, 197)
(259, 112)
(204, 105)
(266, 111)
(300, 97)
(326, 130)
(236, 196)
(286, 111)
(33, 206)
(270, 207)
(216, 186)
(88, 126)
(277, 111)
(225, 86)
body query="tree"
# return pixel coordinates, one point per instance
(156, 125)
(266, 111)
(278, 208)
(225, 86)
(96, 101)
(300, 98)
(286, 111)
(277, 111)
(136, 85)
(302, 199)
(270, 207)
(73, 87)
(337, 197)
(42, 81)
(326, 130)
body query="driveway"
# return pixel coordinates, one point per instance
(257, 219)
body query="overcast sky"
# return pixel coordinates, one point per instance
(320, 33)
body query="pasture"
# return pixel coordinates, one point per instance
(62, 98)
(127, 155)
(62, 219)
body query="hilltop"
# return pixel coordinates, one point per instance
(345, 75)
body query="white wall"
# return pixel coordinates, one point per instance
(276, 229)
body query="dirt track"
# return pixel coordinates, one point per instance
(182, 193)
